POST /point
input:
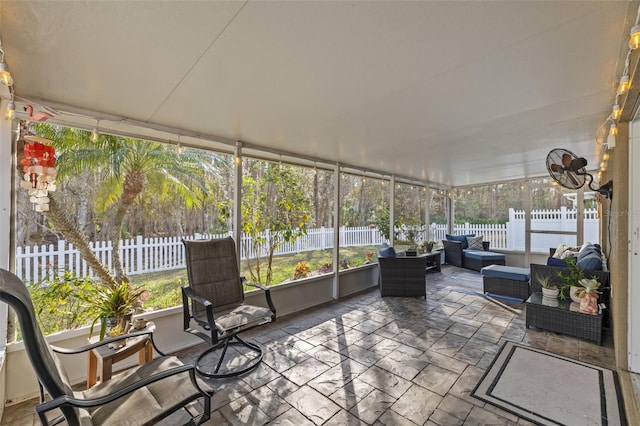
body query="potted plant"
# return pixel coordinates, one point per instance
(428, 245)
(114, 307)
(588, 294)
(571, 280)
(549, 289)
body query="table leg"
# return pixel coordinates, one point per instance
(106, 370)
(92, 369)
(146, 353)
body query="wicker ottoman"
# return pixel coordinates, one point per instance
(507, 281)
(478, 259)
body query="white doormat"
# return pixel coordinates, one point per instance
(549, 389)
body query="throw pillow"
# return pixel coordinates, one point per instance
(461, 238)
(563, 251)
(590, 257)
(569, 253)
(554, 261)
(475, 243)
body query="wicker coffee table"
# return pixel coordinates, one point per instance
(563, 318)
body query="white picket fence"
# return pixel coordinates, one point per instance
(511, 236)
(143, 255)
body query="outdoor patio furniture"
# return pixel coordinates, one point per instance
(214, 300)
(508, 281)
(455, 254)
(403, 276)
(141, 396)
(560, 316)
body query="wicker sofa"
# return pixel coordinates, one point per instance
(540, 271)
(456, 255)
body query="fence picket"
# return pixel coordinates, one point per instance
(143, 255)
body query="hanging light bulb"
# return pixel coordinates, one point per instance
(634, 41)
(623, 86)
(179, 148)
(10, 112)
(5, 75)
(95, 134)
(611, 139)
(616, 112)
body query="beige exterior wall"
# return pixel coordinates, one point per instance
(614, 231)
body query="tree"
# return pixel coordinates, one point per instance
(127, 167)
(276, 205)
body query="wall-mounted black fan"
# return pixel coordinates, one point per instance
(569, 171)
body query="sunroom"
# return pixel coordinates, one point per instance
(388, 114)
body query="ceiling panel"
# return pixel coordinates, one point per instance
(452, 92)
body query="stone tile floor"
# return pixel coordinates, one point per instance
(365, 360)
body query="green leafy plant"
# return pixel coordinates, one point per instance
(62, 301)
(571, 278)
(115, 303)
(588, 285)
(546, 282)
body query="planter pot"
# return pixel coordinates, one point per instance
(573, 293)
(123, 322)
(589, 303)
(428, 247)
(550, 301)
(551, 293)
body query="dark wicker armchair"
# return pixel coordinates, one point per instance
(403, 276)
(141, 396)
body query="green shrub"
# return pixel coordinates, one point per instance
(60, 302)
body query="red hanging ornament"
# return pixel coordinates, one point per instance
(39, 173)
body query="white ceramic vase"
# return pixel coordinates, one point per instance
(573, 293)
(551, 293)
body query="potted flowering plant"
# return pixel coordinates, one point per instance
(115, 306)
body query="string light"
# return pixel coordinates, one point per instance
(10, 112)
(616, 112)
(624, 84)
(634, 36)
(5, 75)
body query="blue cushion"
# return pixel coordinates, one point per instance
(386, 251)
(483, 255)
(554, 261)
(461, 238)
(506, 272)
(590, 257)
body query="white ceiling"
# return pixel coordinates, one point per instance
(453, 92)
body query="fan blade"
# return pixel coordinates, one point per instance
(566, 160)
(557, 168)
(573, 179)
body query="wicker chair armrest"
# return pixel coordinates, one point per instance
(452, 252)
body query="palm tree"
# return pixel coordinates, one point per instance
(127, 167)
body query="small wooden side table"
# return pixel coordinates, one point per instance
(102, 358)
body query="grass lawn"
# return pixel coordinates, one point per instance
(165, 285)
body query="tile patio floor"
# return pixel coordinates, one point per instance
(392, 361)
